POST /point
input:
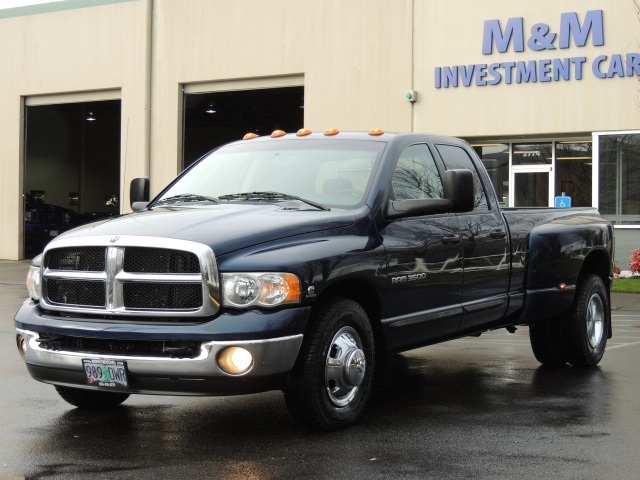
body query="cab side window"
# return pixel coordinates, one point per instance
(416, 176)
(456, 157)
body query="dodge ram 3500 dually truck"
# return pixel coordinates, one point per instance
(300, 262)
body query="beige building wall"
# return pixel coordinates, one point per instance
(68, 56)
(448, 36)
(354, 59)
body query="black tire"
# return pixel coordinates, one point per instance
(546, 342)
(330, 384)
(91, 399)
(586, 328)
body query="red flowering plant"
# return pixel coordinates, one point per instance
(634, 264)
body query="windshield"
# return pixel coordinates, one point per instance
(334, 172)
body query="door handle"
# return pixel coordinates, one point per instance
(498, 233)
(451, 239)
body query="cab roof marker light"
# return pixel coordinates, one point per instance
(376, 132)
(331, 131)
(303, 132)
(278, 133)
(250, 136)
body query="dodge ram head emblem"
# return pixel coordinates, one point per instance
(115, 239)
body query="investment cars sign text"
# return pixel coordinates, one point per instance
(540, 37)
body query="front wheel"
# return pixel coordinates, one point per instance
(331, 382)
(91, 399)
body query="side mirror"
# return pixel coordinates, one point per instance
(459, 196)
(417, 208)
(459, 189)
(139, 193)
(137, 206)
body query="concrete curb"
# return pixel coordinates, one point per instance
(625, 301)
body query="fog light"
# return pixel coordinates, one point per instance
(22, 345)
(235, 360)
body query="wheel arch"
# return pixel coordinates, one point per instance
(597, 262)
(367, 297)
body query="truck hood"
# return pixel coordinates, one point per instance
(224, 227)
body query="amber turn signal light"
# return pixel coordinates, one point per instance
(278, 133)
(331, 131)
(250, 135)
(303, 132)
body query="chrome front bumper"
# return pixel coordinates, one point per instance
(271, 357)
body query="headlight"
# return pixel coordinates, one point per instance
(34, 278)
(259, 289)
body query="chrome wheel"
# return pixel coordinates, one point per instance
(584, 331)
(330, 384)
(595, 320)
(345, 366)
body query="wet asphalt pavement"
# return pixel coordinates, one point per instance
(471, 408)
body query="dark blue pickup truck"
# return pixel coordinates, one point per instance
(300, 262)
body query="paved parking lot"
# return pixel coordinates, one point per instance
(472, 408)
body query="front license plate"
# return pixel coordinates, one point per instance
(106, 373)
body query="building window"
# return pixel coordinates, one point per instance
(531, 189)
(619, 170)
(574, 172)
(532, 154)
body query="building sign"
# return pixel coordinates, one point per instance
(563, 202)
(540, 37)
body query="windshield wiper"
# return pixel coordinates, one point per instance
(271, 196)
(186, 198)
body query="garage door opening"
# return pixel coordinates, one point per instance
(72, 168)
(215, 118)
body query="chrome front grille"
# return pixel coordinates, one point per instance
(80, 259)
(76, 292)
(162, 296)
(130, 275)
(160, 260)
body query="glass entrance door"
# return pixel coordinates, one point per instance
(531, 187)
